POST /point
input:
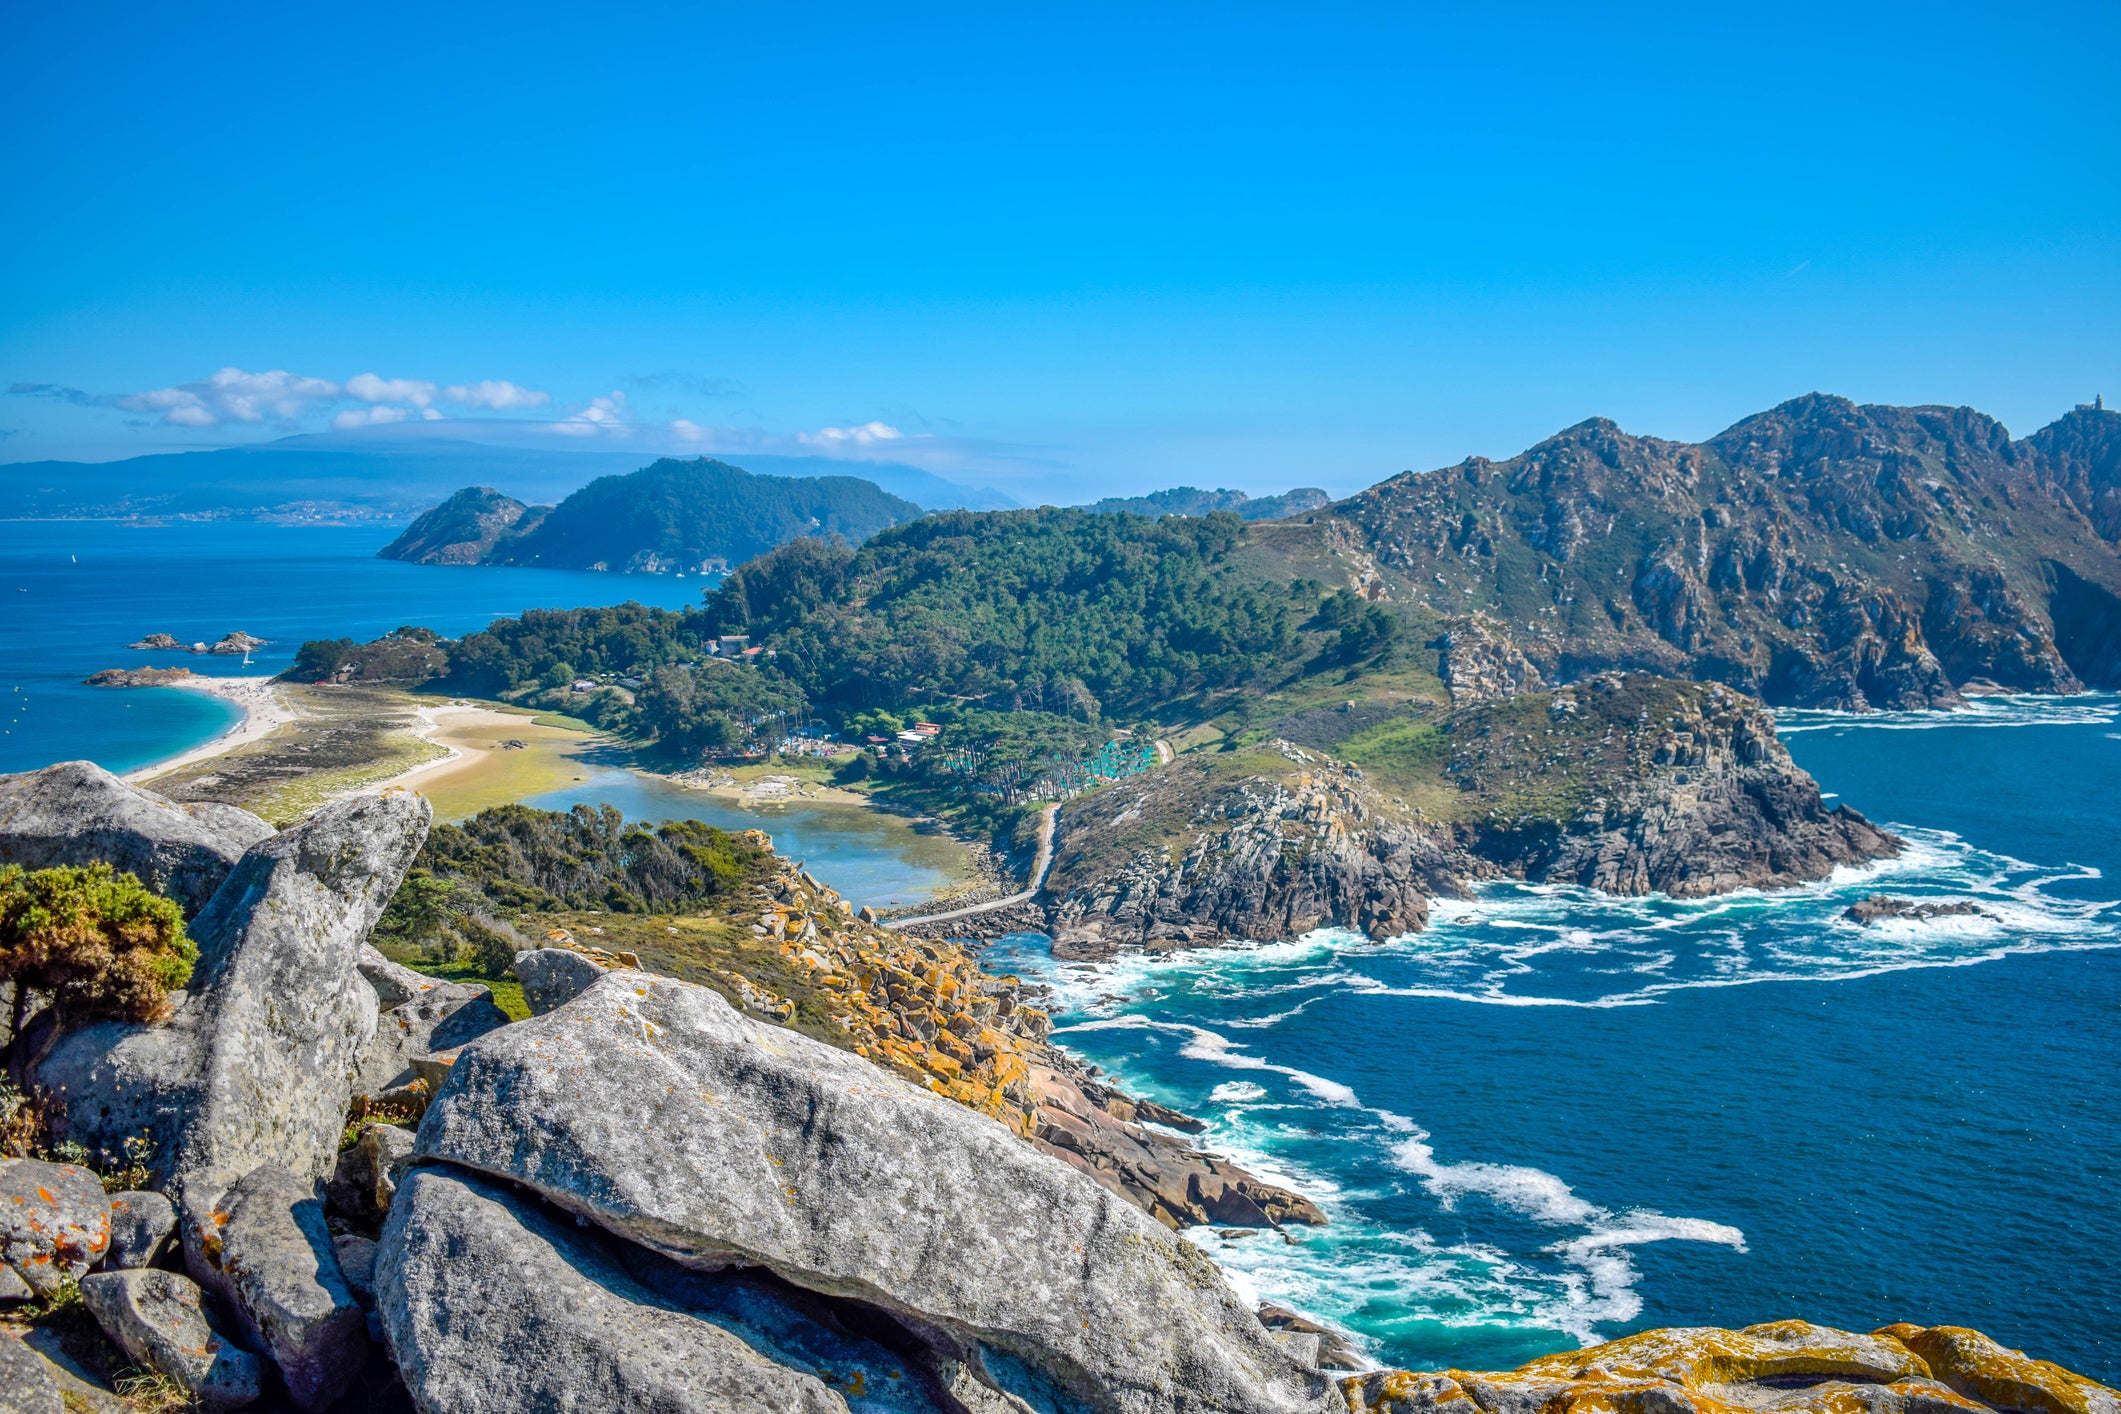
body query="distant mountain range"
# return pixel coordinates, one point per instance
(340, 477)
(1191, 501)
(671, 516)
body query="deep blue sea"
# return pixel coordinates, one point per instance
(1555, 1117)
(1549, 1118)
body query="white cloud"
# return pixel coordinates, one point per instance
(371, 389)
(866, 435)
(235, 396)
(497, 394)
(603, 415)
(430, 414)
(369, 417)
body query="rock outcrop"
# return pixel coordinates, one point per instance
(1650, 785)
(78, 813)
(1270, 845)
(419, 1015)
(26, 1386)
(1879, 908)
(1819, 554)
(273, 1258)
(1788, 1367)
(715, 1140)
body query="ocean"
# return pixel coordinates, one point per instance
(1555, 1117)
(1549, 1118)
(74, 593)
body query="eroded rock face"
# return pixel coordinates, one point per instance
(158, 1319)
(467, 1268)
(553, 977)
(54, 1222)
(1787, 1367)
(78, 813)
(715, 1139)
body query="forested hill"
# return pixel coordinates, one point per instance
(1192, 501)
(1818, 554)
(672, 515)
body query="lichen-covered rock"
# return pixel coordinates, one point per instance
(78, 813)
(492, 1304)
(552, 977)
(370, 1170)
(654, 1109)
(281, 1013)
(1784, 1367)
(141, 1225)
(1984, 1369)
(273, 1256)
(54, 1222)
(158, 1319)
(26, 1386)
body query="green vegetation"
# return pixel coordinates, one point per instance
(94, 943)
(1397, 752)
(1062, 611)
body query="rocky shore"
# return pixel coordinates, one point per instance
(364, 1189)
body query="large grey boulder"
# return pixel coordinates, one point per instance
(553, 977)
(256, 1063)
(281, 1011)
(280, 1271)
(26, 1385)
(369, 1171)
(78, 813)
(54, 1222)
(653, 1109)
(141, 1225)
(158, 1319)
(491, 1304)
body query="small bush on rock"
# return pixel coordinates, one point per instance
(94, 943)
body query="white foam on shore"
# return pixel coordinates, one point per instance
(2087, 709)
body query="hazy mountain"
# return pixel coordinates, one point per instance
(381, 474)
(672, 515)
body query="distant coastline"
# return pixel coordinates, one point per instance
(264, 710)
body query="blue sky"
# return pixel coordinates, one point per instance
(1062, 251)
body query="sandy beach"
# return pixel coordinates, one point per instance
(265, 711)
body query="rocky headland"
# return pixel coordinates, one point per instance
(658, 1194)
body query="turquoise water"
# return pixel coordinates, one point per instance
(74, 593)
(1555, 1117)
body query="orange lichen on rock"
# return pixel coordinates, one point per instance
(1783, 1367)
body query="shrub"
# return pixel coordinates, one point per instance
(95, 943)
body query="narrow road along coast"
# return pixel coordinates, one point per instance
(1039, 867)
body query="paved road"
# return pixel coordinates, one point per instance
(1039, 866)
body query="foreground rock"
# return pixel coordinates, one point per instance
(715, 1139)
(157, 1318)
(78, 813)
(54, 1223)
(25, 1385)
(255, 1065)
(277, 1264)
(473, 1269)
(1789, 1367)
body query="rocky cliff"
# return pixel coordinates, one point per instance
(1820, 554)
(464, 529)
